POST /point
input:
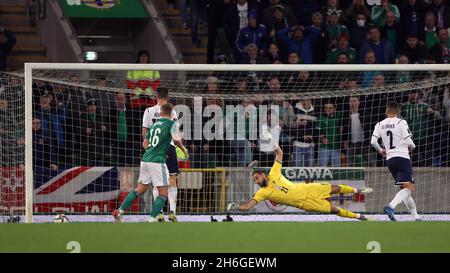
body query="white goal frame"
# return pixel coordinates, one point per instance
(29, 67)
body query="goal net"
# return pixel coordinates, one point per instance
(83, 139)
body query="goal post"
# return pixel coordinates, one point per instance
(188, 87)
(28, 76)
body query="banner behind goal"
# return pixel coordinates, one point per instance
(83, 137)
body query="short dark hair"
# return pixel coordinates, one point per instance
(162, 93)
(369, 50)
(372, 26)
(45, 96)
(393, 106)
(141, 53)
(166, 109)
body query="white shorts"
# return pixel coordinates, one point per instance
(155, 173)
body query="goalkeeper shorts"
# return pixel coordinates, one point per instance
(317, 198)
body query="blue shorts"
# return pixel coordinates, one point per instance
(172, 161)
(401, 170)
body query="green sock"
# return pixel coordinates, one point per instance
(158, 205)
(128, 200)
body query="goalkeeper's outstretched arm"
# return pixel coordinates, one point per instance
(245, 206)
(278, 153)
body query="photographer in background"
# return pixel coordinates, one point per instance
(6, 47)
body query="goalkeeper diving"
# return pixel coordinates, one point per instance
(312, 197)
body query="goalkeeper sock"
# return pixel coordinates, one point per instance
(399, 197)
(173, 191)
(158, 205)
(347, 189)
(411, 205)
(348, 214)
(128, 201)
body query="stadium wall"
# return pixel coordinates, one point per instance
(58, 36)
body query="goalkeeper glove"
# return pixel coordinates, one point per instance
(232, 206)
(267, 135)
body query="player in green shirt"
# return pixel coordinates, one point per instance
(153, 164)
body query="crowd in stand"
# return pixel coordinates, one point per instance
(321, 131)
(316, 30)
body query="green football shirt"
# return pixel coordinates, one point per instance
(159, 136)
(416, 114)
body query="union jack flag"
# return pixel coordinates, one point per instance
(80, 190)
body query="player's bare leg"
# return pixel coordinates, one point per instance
(347, 214)
(173, 192)
(140, 189)
(159, 203)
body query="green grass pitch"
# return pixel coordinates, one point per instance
(231, 237)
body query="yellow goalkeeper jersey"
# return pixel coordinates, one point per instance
(280, 190)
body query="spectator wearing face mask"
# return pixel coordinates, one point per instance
(357, 7)
(359, 31)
